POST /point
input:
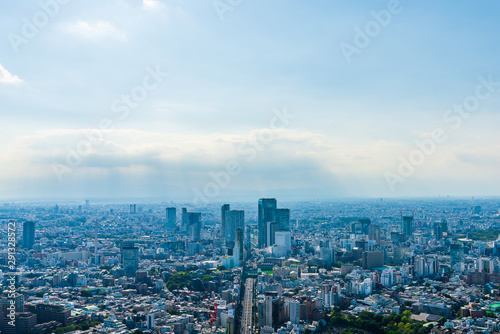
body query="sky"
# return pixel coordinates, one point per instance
(216, 99)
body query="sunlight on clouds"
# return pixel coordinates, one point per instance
(151, 4)
(7, 78)
(94, 31)
(293, 159)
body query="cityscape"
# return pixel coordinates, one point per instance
(430, 265)
(249, 167)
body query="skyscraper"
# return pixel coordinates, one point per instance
(270, 220)
(223, 210)
(271, 229)
(133, 208)
(28, 234)
(440, 229)
(456, 255)
(294, 311)
(238, 242)
(234, 219)
(170, 218)
(283, 219)
(407, 226)
(194, 220)
(374, 233)
(185, 220)
(266, 213)
(130, 258)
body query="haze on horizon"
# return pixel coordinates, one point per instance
(216, 88)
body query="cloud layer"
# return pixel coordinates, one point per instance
(7, 78)
(138, 163)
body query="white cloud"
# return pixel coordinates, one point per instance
(292, 160)
(94, 31)
(7, 78)
(151, 4)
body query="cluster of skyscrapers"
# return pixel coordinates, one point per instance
(271, 220)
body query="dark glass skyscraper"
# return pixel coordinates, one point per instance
(407, 226)
(266, 213)
(283, 219)
(184, 220)
(170, 218)
(194, 220)
(223, 210)
(28, 234)
(234, 219)
(239, 240)
(130, 258)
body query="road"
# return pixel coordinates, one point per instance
(247, 319)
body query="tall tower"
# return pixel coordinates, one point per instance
(28, 234)
(95, 244)
(234, 219)
(223, 211)
(194, 219)
(130, 258)
(185, 220)
(266, 213)
(170, 218)
(283, 219)
(407, 226)
(238, 241)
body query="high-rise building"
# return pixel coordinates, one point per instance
(133, 209)
(272, 228)
(248, 241)
(234, 219)
(485, 264)
(327, 255)
(130, 258)
(440, 229)
(361, 226)
(150, 324)
(268, 309)
(283, 219)
(283, 238)
(28, 234)
(294, 311)
(223, 211)
(407, 226)
(373, 259)
(456, 254)
(96, 244)
(374, 233)
(266, 213)
(426, 265)
(194, 221)
(170, 218)
(271, 309)
(238, 242)
(185, 220)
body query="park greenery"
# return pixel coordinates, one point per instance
(83, 326)
(378, 324)
(485, 235)
(179, 281)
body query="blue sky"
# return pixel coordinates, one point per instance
(351, 120)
